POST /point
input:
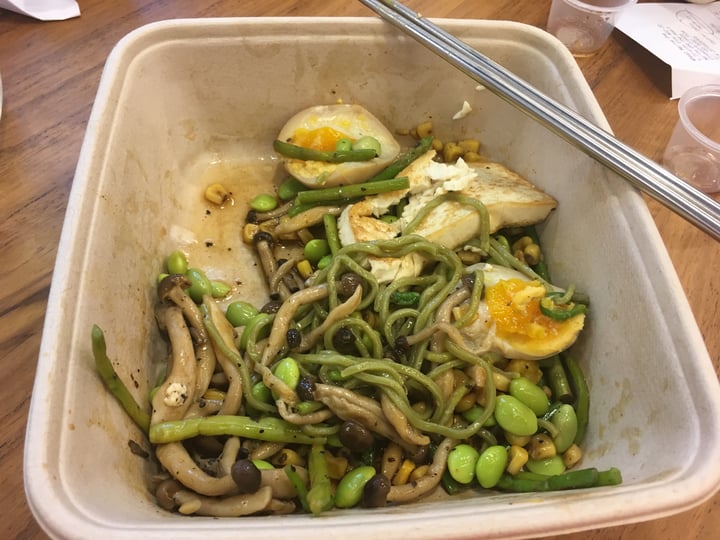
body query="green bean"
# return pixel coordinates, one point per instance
(112, 381)
(400, 163)
(582, 399)
(335, 194)
(611, 477)
(299, 486)
(234, 356)
(319, 496)
(450, 485)
(331, 233)
(293, 151)
(268, 429)
(557, 379)
(308, 407)
(582, 478)
(350, 488)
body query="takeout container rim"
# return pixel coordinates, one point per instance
(57, 513)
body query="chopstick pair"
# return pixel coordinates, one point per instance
(643, 173)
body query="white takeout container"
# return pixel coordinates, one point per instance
(176, 97)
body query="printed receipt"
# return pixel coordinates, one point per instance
(684, 36)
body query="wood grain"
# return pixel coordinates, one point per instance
(50, 73)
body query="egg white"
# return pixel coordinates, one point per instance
(355, 122)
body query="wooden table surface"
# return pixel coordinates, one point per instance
(50, 73)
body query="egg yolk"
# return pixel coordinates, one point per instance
(324, 138)
(514, 305)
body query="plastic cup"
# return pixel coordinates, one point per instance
(693, 152)
(584, 26)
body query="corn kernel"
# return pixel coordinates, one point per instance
(249, 231)
(521, 243)
(469, 145)
(466, 402)
(451, 151)
(305, 268)
(518, 440)
(217, 194)
(529, 370)
(572, 456)
(403, 474)
(214, 394)
(402, 131)
(517, 458)
(425, 129)
(287, 456)
(419, 472)
(473, 157)
(532, 254)
(337, 466)
(541, 447)
(437, 145)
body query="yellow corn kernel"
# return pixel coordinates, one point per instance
(287, 456)
(337, 466)
(525, 368)
(305, 268)
(517, 458)
(521, 243)
(473, 157)
(541, 446)
(419, 472)
(470, 257)
(519, 440)
(502, 382)
(532, 254)
(403, 474)
(217, 194)
(249, 231)
(424, 129)
(572, 456)
(451, 151)
(469, 145)
(437, 145)
(402, 131)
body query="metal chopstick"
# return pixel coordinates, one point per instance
(643, 173)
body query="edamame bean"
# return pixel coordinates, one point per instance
(263, 202)
(461, 463)
(288, 371)
(343, 145)
(473, 413)
(515, 417)
(219, 289)
(491, 466)
(199, 284)
(565, 420)
(261, 392)
(289, 188)
(176, 262)
(367, 142)
(324, 262)
(240, 313)
(530, 394)
(547, 467)
(316, 249)
(350, 488)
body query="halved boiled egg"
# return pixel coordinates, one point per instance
(320, 128)
(509, 319)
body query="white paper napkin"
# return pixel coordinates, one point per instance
(44, 10)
